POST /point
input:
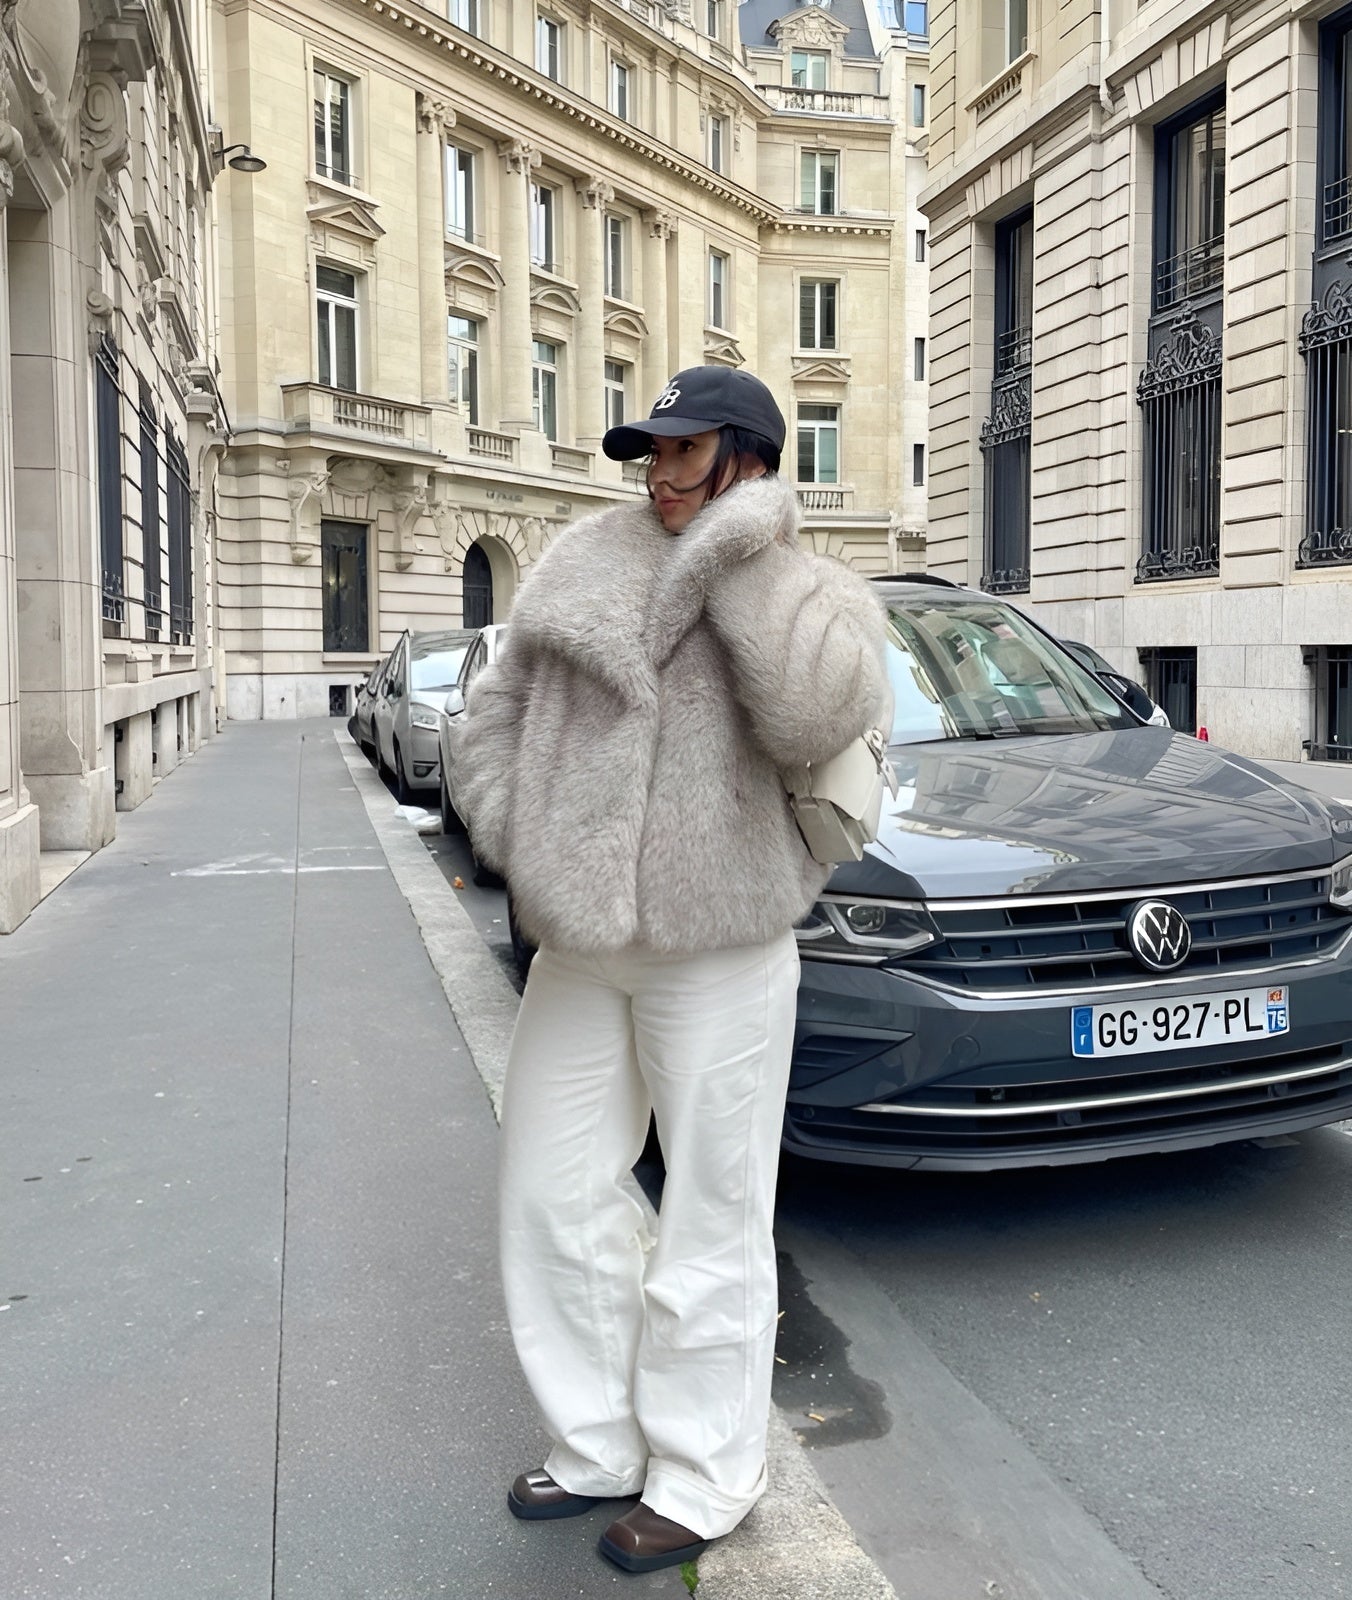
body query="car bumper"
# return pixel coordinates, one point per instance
(422, 766)
(892, 1071)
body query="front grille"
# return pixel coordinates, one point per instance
(965, 1123)
(1014, 945)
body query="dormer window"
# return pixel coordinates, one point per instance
(808, 69)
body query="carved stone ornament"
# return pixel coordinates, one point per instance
(661, 225)
(410, 505)
(304, 491)
(435, 116)
(44, 41)
(100, 308)
(11, 150)
(104, 140)
(518, 156)
(595, 193)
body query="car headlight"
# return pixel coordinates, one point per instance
(423, 717)
(1340, 889)
(864, 930)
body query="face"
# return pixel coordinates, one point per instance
(677, 473)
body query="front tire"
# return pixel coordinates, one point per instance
(403, 791)
(450, 822)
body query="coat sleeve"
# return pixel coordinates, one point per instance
(485, 747)
(806, 640)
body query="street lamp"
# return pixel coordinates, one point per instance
(245, 161)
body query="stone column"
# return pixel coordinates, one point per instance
(589, 363)
(519, 161)
(435, 120)
(657, 346)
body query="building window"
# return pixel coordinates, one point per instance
(545, 387)
(917, 17)
(549, 48)
(344, 557)
(818, 187)
(818, 444)
(917, 464)
(179, 497)
(817, 314)
(1190, 207)
(1016, 28)
(918, 105)
(718, 290)
(808, 69)
(542, 237)
(713, 18)
(336, 301)
(619, 90)
(1326, 331)
(1180, 397)
(617, 257)
(462, 356)
(108, 427)
(920, 361)
(1171, 679)
(465, 14)
(718, 143)
(919, 244)
(1332, 667)
(461, 203)
(1006, 434)
(333, 127)
(476, 589)
(150, 515)
(617, 388)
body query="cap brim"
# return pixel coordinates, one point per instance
(636, 438)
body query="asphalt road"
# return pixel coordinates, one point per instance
(1170, 1338)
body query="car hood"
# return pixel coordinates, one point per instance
(1136, 808)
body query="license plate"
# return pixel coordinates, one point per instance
(1240, 1016)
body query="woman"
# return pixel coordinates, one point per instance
(621, 768)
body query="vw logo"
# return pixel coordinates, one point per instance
(1159, 935)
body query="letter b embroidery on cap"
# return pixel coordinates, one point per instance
(669, 396)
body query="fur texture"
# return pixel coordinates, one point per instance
(620, 762)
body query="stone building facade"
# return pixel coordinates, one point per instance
(109, 420)
(484, 236)
(1141, 323)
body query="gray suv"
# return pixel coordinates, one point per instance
(1076, 936)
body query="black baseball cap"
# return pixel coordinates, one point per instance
(695, 401)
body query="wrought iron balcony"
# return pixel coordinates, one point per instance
(1337, 209)
(1192, 272)
(114, 596)
(1325, 547)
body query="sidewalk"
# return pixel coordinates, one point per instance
(253, 1340)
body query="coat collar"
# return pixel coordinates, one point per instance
(616, 593)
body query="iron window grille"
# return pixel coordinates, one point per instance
(1326, 343)
(108, 428)
(1171, 677)
(1006, 435)
(150, 515)
(179, 498)
(1332, 669)
(1180, 398)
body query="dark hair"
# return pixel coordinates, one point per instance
(733, 443)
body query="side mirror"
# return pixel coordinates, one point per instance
(1132, 695)
(455, 703)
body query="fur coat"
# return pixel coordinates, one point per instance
(619, 764)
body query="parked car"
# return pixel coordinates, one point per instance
(361, 724)
(481, 653)
(420, 670)
(1076, 936)
(1126, 689)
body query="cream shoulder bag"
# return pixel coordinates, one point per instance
(837, 803)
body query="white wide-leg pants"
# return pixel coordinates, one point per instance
(653, 1373)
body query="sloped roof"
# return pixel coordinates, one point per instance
(755, 16)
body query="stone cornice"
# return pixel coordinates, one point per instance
(544, 91)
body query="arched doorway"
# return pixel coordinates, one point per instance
(476, 589)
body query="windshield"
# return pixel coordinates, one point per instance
(973, 669)
(439, 670)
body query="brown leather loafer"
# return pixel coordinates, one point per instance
(535, 1497)
(641, 1541)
